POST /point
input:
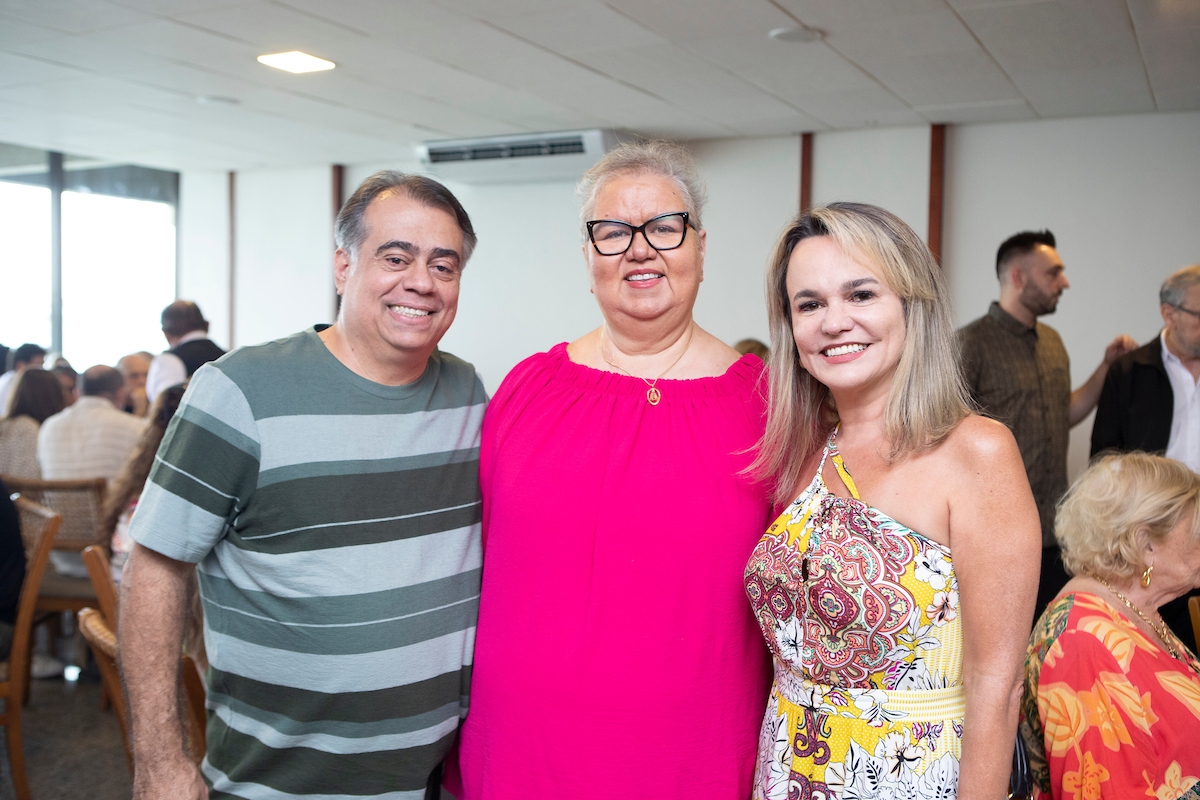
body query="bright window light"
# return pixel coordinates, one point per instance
(24, 264)
(297, 62)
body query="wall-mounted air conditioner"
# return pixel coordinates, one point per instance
(517, 159)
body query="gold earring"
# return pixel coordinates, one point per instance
(1146, 577)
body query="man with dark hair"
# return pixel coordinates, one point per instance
(92, 438)
(1018, 372)
(186, 331)
(1150, 400)
(324, 487)
(24, 357)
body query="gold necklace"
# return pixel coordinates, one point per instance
(1160, 628)
(653, 395)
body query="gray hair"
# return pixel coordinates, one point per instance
(350, 230)
(656, 157)
(1176, 286)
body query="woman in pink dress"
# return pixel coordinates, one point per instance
(615, 655)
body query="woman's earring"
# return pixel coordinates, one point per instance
(1146, 577)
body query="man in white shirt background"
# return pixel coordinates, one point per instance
(186, 331)
(93, 438)
(1151, 401)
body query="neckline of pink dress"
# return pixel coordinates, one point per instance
(732, 382)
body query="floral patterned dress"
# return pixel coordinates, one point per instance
(862, 616)
(1106, 712)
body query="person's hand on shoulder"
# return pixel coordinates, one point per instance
(1118, 347)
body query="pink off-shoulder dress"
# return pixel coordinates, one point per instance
(616, 656)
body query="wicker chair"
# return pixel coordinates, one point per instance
(79, 503)
(39, 527)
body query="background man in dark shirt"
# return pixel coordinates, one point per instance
(1018, 372)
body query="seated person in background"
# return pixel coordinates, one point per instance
(12, 569)
(24, 357)
(186, 331)
(91, 439)
(134, 368)
(1150, 400)
(1112, 697)
(125, 489)
(754, 347)
(68, 378)
(36, 398)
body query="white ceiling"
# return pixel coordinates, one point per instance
(125, 80)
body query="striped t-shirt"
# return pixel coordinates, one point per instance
(337, 525)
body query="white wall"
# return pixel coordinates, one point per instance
(887, 167)
(1122, 196)
(284, 252)
(202, 271)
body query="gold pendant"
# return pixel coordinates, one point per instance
(653, 396)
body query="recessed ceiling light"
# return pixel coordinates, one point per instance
(297, 62)
(796, 34)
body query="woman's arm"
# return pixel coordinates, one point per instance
(995, 539)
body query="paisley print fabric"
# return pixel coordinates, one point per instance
(1106, 712)
(861, 616)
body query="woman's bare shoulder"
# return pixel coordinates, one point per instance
(978, 439)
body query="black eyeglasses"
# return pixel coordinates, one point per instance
(1188, 311)
(612, 237)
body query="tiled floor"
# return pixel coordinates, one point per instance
(73, 749)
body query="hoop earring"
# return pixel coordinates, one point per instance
(1146, 577)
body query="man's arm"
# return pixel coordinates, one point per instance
(153, 609)
(1084, 399)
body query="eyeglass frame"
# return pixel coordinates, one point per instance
(642, 229)
(1195, 314)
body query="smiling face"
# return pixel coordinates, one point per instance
(400, 291)
(643, 283)
(848, 325)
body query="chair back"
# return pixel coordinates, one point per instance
(99, 568)
(79, 502)
(103, 641)
(39, 527)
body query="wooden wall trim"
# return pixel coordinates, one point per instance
(339, 188)
(806, 148)
(937, 185)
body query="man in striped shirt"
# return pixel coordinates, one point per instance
(326, 486)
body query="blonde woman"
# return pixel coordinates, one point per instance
(896, 590)
(1112, 696)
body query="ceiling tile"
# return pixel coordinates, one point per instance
(1111, 90)
(683, 20)
(1172, 57)
(179, 42)
(781, 67)
(14, 31)
(974, 112)
(85, 52)
(579, 29)
(18, 70)
(274, 28)
(71, 16)
(832, 16)
(860, 108)
(1065, 35)
(1149, 15)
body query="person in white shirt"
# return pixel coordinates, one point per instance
(1151, 401)
(93, 438)
(24, 357)
(186, 331)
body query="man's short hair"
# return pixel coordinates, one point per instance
(350, 230)
(182, 317)
(1176, 287)
(26, 353)
(1021, 244)
(100, 381)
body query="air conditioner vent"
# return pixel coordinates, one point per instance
(551, 156)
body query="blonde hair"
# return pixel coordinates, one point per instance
(655, 157)
(927, 398)
(1117, 497)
